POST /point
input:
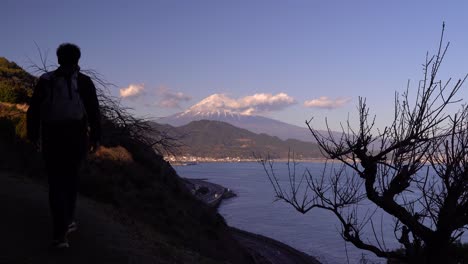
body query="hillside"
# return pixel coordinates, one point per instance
(102, 238)
(219, 140)
(133, 179)
(16, 84)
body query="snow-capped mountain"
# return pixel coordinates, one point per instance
(221, 108)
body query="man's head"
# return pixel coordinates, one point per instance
(68, 54)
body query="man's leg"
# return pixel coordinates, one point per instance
(76, 149)
(72, 192)
(63, 155)
(57, 201)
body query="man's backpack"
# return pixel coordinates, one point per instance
(62, 100)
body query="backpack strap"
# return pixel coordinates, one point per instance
(51, 86)
(50, 78)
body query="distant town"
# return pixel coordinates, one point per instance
(192, 160)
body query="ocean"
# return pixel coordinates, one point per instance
(316, 233)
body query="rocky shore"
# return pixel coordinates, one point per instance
(264, 250)
(209, 193)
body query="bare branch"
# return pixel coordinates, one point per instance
(123, 123)
(415, 170)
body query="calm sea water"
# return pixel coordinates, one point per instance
(254, 209)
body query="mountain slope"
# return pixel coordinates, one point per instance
(256, 124)
(16, 84)
(215, 139)
(129, 176)
(220, 108)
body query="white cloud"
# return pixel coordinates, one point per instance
(170, 99)
(248, 105)
(326, 102)
(265, 102)
(133, 90)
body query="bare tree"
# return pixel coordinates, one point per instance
(121, 123)
(422, 152)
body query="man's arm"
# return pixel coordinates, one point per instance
(91, 103)
(33, 114)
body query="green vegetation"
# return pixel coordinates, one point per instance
(15, 151)
(16, 85)
(217, 139)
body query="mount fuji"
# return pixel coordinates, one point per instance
(217, 107)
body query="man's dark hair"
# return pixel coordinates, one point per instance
(68, 54)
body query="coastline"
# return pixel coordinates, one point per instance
(264, 250)
(193, 162)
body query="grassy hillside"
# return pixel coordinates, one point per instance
(217, 139)
(16, 85)
(133, 178)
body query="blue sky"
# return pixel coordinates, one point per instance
(176, 53)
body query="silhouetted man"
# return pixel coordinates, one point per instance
(64, 119)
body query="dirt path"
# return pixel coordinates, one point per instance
(25, 230)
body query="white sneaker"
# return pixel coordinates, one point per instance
(72, 227)
(60, 244)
